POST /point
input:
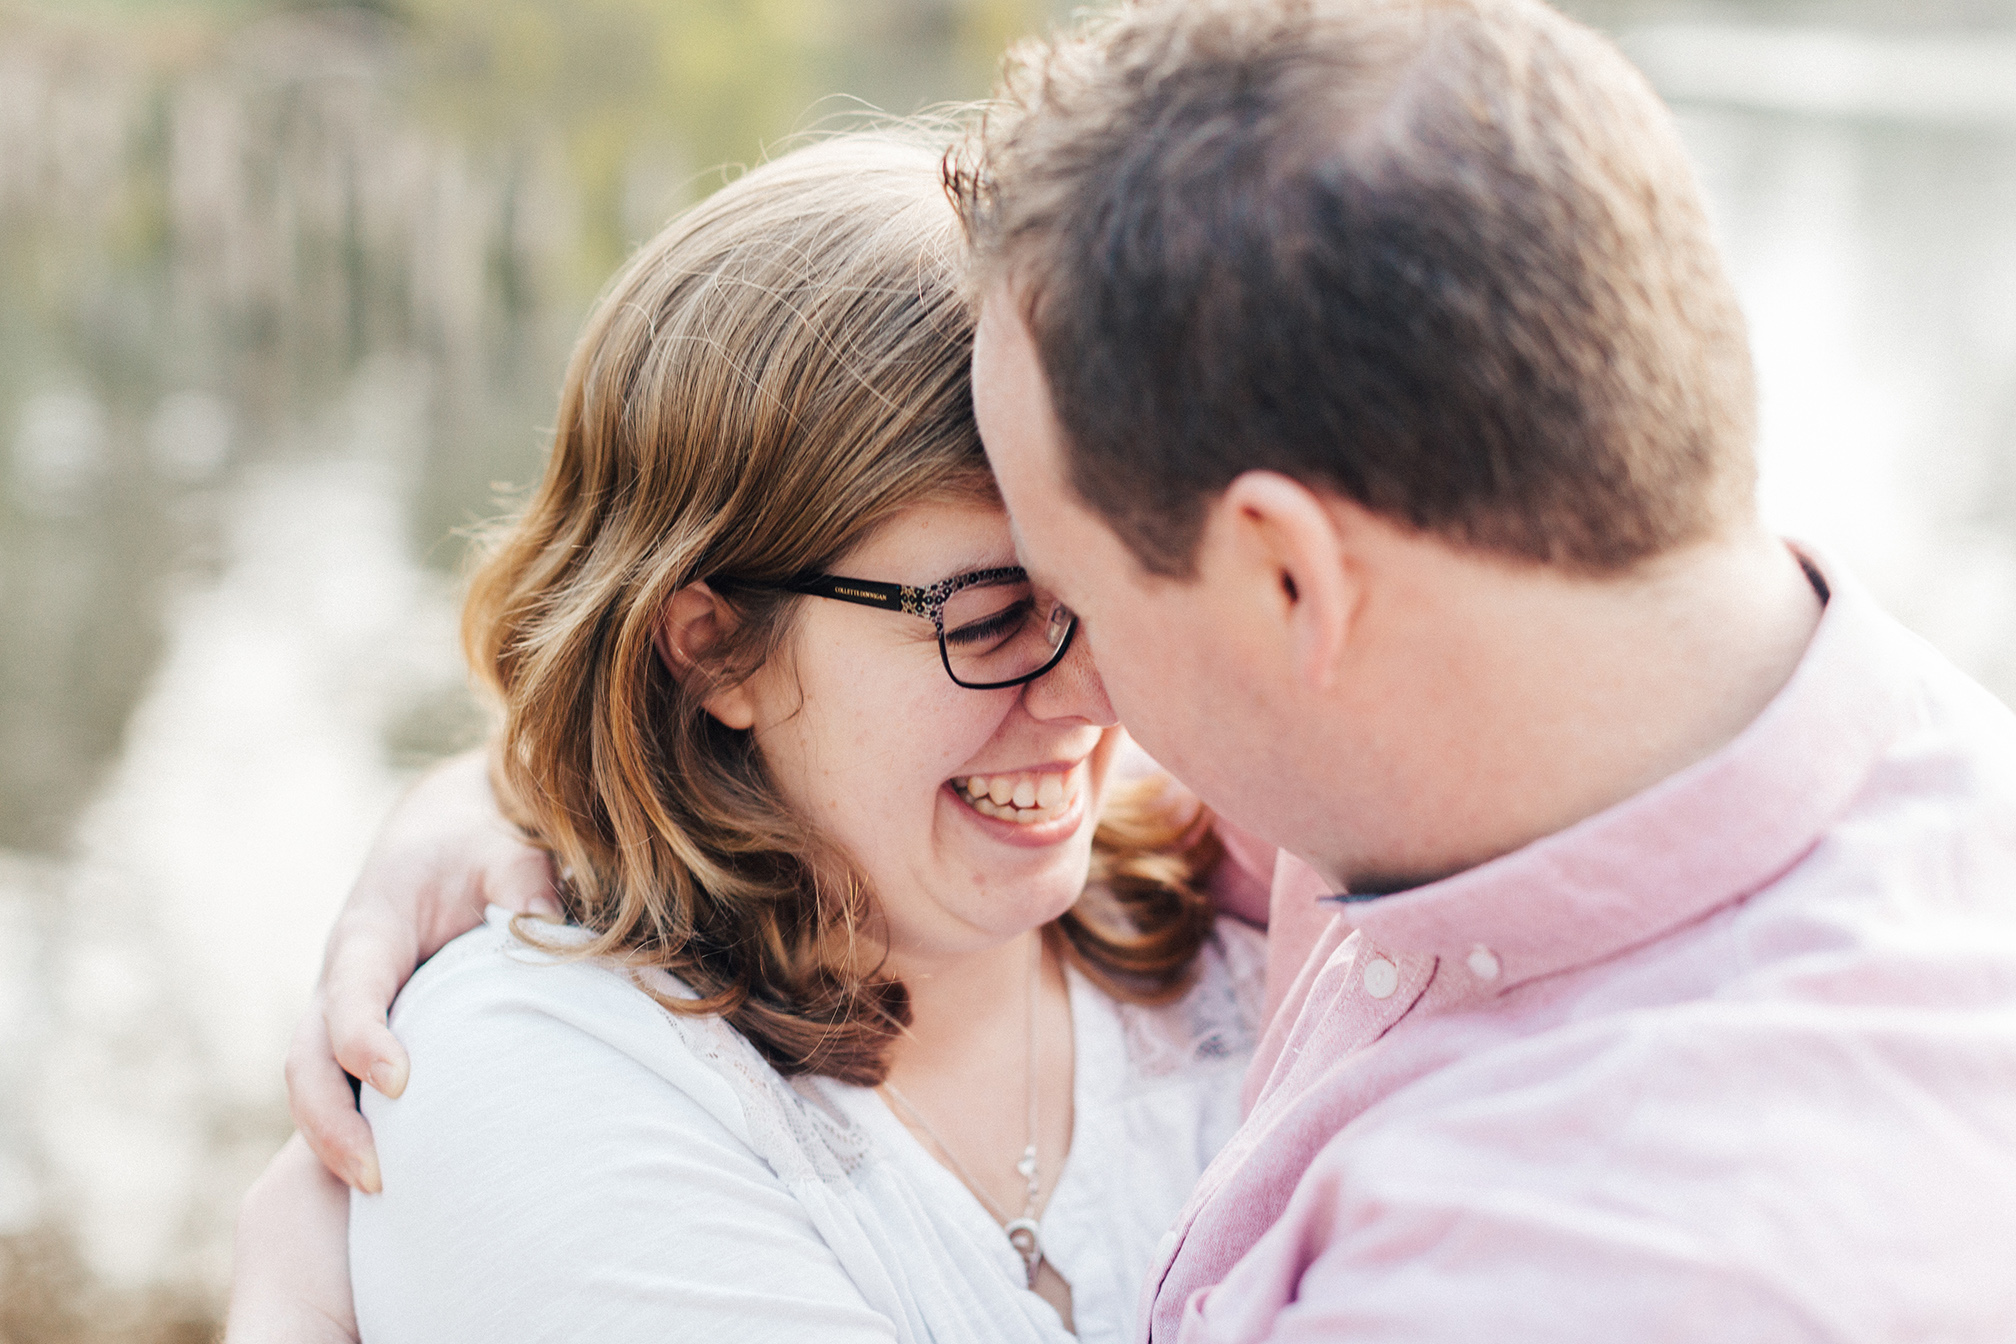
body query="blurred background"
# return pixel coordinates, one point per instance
(285, 294)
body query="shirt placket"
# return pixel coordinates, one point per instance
(1361, 995)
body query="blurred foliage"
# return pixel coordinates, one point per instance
(644, 99)
(1873, 15)
(649, 97)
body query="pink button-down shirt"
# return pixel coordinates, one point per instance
(1734, 1060)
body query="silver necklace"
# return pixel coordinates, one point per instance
(1025, 1233)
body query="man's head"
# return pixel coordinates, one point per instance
(1437, 268)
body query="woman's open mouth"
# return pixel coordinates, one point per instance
(1026, 798)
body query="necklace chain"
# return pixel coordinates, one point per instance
(1025, 1233)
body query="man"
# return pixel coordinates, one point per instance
(1366, 377)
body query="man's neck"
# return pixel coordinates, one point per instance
(1525, 701)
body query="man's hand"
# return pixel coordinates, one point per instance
(444, 854)
(290, 1280)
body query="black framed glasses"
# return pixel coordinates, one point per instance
(994, 628)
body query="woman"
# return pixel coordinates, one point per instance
(854, 1030)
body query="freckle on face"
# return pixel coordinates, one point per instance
(872, 730)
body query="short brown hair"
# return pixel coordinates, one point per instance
(770, 380)
(1446, 257)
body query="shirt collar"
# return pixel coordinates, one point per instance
(1709, 835)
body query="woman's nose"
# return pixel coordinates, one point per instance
(1071, 690)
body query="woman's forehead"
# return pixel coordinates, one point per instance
(935, 540)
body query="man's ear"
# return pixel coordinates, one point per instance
(692, 625)
(1294, 534)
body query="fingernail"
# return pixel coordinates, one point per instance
(388, 1078)
(364, 1173)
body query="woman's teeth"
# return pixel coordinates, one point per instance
(1025, 799)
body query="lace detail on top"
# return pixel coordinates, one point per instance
(792, 1127)
(804, 1138)
(1218, 1019)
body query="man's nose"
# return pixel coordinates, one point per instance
(1071, 690)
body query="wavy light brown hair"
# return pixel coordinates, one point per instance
(769, 381)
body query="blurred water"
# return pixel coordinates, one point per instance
(1871, 224)
(269, 330)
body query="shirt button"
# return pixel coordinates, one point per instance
(1483, 962)
(1382, 977)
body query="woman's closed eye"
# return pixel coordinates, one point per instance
(977, 635)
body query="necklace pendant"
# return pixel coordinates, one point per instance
(1027, 1239)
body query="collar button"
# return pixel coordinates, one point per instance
(1381, 978)
(1483, 962)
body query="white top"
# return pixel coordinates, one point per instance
(572, 1162)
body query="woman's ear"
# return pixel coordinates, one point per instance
(694, 621)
